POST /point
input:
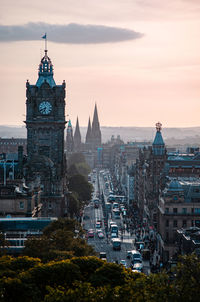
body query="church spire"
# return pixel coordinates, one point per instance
(89, 133)
(69, 138)
(77, 137)
(96, 132)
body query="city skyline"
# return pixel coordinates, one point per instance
(139, 62)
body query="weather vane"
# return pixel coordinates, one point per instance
(158, 126)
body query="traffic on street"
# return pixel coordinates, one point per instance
(107, 226)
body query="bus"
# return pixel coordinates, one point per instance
(114, 228)
(116, 243)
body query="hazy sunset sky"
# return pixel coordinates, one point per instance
(139, 60)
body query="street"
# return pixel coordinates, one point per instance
(92, 214)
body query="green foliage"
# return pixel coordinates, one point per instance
(73, 205)
(62, 239)
(81, 186)
(3, 243)
(108, 274)
(93, 280)
(63, 224)
(83, 169)
(92, 264)
(187, 279)
(76, 158)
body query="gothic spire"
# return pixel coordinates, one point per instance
(96, 132)
(77, 137)
(69, 138)
(89, 133)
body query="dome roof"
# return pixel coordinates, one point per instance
(45, 72)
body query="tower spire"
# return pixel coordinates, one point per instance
(96, 132)
(45, 73)
(77, 137)
(89, 133)
(158, 143)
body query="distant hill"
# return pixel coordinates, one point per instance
(171, 136)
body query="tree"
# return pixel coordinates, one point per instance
(3, 244)
(76, 158)
(80, 185)
(187, 278)
(73, 205)
(62, 239)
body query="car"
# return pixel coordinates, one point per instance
(91, 233)
(99, 221)
(100, 235)
(129, 254)
(123, 262)
(98, 225)
(136, 256)
(138, 267)
(102, 255)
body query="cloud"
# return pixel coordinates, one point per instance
(70, 34)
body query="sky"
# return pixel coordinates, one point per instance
(138, 60)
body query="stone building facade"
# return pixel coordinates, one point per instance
(45, 123)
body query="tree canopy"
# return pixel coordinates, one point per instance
(81, 186)
(92, 279)
(62, 239)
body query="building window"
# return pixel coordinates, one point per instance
(184, 223)
(197, 223)
(196, 210)
(166, 210)
(175, 197)
(21, 205)
(175, 223)
(175, 211)
(50, 205)
(167, 236)
(167, 223)
(184, 210)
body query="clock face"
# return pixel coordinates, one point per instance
(45, 107)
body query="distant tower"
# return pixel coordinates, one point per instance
(69, 138)
(88, 139)
(158, 157)
(158, 144)
(77, 138)
(96, 132)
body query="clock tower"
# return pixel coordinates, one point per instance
(45, 123)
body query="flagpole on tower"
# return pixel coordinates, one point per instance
(45, 37)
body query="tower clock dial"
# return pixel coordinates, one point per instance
(45, 107)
